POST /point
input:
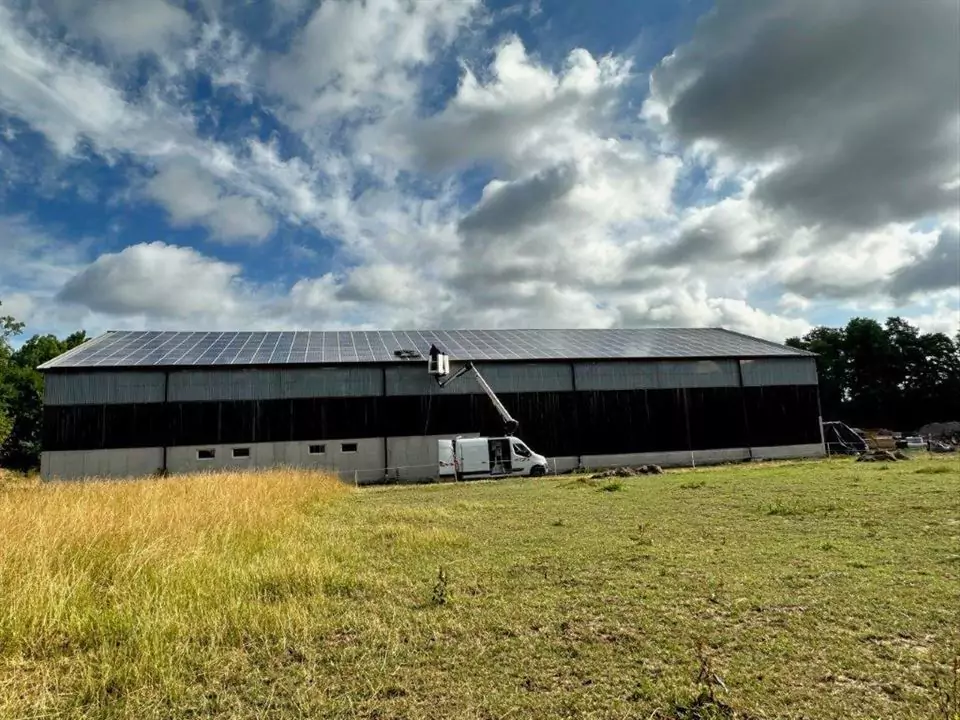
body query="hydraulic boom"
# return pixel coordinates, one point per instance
(510, 425)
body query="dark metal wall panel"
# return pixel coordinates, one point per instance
(131, 426)
(716, 418)
(554, 423)
(75, 427)
(259, 384)
(100, 388)
(656, 374)
(665, 427)
(782, 415)
(502, 377)
(779, 371)
(240, 421)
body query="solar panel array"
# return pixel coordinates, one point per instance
(165, 349)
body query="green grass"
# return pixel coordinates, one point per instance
(787, 590)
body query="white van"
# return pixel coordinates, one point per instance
(470, 458)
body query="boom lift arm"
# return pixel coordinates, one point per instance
(510, 425)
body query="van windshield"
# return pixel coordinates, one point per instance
(521, 450)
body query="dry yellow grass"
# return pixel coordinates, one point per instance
(130, 582)
(817, 589)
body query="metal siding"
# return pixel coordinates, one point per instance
(199, 385)
(615, 375)
(656, 375)
(193, 385)
(331, 382)
(103, 388)
(410, 381)
(779, 371)
(698, 374)
(502, 377)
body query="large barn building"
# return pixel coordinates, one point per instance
(363, 403)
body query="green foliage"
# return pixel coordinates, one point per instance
(889, 375)
(8, 328)
(6, 426)
(21, 391)
(440, 593)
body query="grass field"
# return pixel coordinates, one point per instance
(793, 590)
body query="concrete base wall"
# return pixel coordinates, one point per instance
(79, 464)
(404, 458)
(790, 452)
(668, 459)
(367, 460)
(562, 464)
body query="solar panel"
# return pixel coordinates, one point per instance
(173, 349)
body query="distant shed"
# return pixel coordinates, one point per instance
(362, 403)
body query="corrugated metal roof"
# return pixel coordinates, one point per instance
(120, 349)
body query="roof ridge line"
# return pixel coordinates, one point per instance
(764, 341)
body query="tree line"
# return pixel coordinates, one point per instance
(871, 375)
(888, 375)
(21, 391)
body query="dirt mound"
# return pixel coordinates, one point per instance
(940, 429)
(624, 472)
(882, 456)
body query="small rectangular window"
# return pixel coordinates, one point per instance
(241, 452)
(348, 447)
(317, 449)
(207, 454)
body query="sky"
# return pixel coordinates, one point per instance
(442, 164)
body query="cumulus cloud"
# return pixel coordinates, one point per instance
(126, 27)
(938, 269)
(943, 317)
(191, 196)
(154, 279)
(693, 306)
(524, 116)
(854, 104)
(856, 265)
(528, 194)
(511, 206)
(549, 240)
(384, 284)
(731, 230)
(353, 56)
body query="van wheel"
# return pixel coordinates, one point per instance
(537, 471)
